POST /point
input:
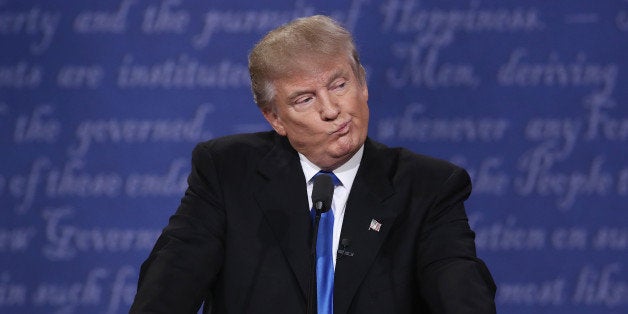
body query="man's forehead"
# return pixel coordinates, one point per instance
(315, 72)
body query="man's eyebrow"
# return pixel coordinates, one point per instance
(338, 73)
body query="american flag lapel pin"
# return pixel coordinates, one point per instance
(375, 225)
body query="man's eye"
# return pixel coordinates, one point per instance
(303, 100)
(341, 85)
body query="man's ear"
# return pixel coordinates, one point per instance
(274, 120)
(364, 87)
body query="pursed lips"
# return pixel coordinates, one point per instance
(341, 128)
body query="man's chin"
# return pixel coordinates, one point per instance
(347, 145)
(345, 152)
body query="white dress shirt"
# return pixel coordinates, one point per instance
(346, 174)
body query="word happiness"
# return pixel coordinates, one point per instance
(407, 16)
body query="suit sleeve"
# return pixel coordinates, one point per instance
(188, 255)
(452, 279)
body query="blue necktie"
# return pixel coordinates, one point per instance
(324, 258)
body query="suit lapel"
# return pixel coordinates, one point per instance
(367, 202)
(282, 197)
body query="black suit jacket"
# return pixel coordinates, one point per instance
(240, 238)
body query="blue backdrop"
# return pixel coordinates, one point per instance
(101, 103)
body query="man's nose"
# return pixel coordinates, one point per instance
(330, 107)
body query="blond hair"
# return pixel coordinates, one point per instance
(282, 49)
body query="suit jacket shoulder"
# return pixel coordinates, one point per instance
(240, 146)
(403, 167)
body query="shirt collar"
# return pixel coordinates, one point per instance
(345, 173)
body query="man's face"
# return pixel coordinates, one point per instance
(322, 109)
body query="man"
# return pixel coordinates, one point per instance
(241, 238)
